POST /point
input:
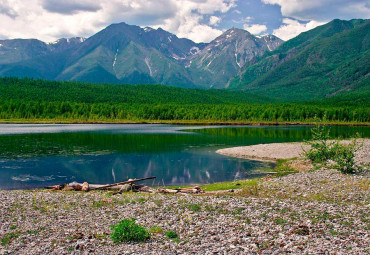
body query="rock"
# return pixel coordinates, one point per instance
(301, 230)
(85, 187)
(144, 189)
(125, 188)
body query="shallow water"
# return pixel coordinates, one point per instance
(40, 155)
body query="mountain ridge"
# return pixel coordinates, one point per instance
(326, 61)
(123, 53)
(322, 62)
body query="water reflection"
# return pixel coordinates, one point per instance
(114, 154)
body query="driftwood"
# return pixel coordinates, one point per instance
(123, 187)
(123, 183)
(262, 173)
(193, 190)
(86, 186)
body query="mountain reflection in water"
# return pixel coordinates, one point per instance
(112, 153)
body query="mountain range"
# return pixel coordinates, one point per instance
(331, 59)
(123, 53)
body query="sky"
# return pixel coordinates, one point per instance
(198, 20)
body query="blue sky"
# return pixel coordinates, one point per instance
(198, 20)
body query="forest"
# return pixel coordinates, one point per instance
(29, 100)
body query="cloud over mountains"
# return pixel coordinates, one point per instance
(198, 20)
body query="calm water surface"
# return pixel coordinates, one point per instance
(40, 155)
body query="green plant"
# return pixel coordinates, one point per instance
(127, 230)
(252, 188)
(322, 150)
(344, 156)
(141, 200)
(8, 238)
(171, 234)
(156, 229)
(284, 168)
(280, 221)
(320, 146)
(193, 207)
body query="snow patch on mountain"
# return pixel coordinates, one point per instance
(147, 62)
(148, 29)
(115, 58)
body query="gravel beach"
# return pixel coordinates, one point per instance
(312, 212)
(275, 151)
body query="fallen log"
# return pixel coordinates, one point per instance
(86, 187)
(160, 190)
(193, 190)
(122, 183)
(121, 187)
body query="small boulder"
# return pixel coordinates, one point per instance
(125, 188)
(85, 187)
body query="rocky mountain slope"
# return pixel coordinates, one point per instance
(226, 55)
(123, 53)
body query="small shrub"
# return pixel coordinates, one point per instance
(171, 234)
(322, 151)
(320, 146)
(127, 230)
(344, 157)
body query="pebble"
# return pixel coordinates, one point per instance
(306, 213)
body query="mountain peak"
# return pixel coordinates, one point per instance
(235, 31)
(148, 29)
(123, 53)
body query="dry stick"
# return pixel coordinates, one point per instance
(122, 183)
(263, 173)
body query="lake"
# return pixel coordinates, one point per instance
(33, 156)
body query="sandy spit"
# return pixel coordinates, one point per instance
(276, 151)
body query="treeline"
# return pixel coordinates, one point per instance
(86, 112)
(30, 89)
(28, 99)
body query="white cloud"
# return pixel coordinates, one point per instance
(255, 28)
(243, 20)
(214, 20)
(48, 20)
(315, 13)
(187, 20)
(291, 28)
(70, 6)
(323, 10)
(6, 9)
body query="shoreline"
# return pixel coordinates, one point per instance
(172, 122)
(273, 152)
(306, 212)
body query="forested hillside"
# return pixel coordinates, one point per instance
(326, 61)
(48, 101)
